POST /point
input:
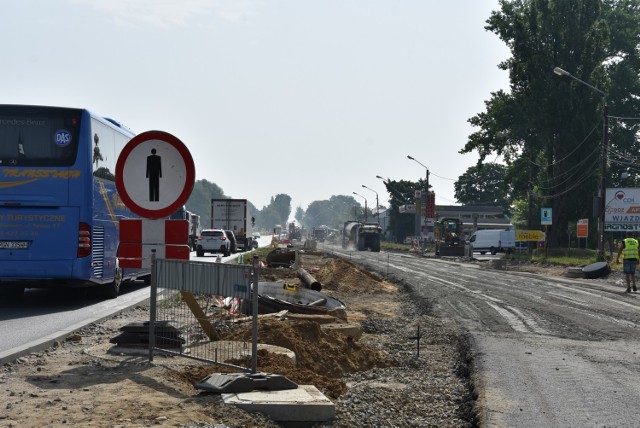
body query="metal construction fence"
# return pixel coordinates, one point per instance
(195, 305)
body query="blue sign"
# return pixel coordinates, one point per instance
(545, 216)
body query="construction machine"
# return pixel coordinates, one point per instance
(448, 237)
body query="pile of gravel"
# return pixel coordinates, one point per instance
(429, 386)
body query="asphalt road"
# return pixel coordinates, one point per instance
(547, 351)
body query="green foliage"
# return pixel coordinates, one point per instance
(281, 203)
(519, 213)
(332, 213)
(549, 127)
(401, 193)
(574, 257)
(200, 200)
(277, 212)
(484, 184)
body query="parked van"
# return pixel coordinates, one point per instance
(493, 241)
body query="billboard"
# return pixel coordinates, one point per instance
(622, 210)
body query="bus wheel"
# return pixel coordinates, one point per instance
(112, 289)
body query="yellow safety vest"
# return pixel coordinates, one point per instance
(630, 249)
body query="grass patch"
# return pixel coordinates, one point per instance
(561, 256)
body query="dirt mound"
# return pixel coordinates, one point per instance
(334, 275)
(322, 357)
(345, 276)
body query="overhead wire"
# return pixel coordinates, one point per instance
(584, 140)
(568, 175)
(576, 175)
(588, 173)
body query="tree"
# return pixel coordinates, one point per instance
(200, 200)
(548, 128)
(299, 214)
(281, 203)
(401, 193)
(333, 212)
(484, 184)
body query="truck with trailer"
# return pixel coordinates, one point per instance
(361, 236)
(231, 214)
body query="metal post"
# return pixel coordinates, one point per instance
(152, 305)
(603, 182)
(365, 205)
(377, 204)
(254, 315)
(425, 194)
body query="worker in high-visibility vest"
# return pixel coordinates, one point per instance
(630, 252)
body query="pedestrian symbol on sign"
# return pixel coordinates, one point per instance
(168, 162)
(154, 173)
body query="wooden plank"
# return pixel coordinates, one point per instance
(209, 329)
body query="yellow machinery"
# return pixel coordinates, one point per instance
(448, 237)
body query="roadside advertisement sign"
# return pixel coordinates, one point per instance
(622, 210)
(431, 205)
(583, 228)
(529, 235)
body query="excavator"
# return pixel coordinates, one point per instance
(448, 237)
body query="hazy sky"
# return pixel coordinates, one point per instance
(308, 98)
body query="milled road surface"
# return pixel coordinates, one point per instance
(547, 351)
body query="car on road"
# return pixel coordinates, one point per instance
(213, 241)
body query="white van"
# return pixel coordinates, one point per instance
(493, 241)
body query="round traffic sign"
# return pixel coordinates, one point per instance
(155, 174)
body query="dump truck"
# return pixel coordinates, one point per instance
(231, 214)
(448, 237)
(361, 236)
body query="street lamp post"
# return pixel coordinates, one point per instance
(603, 156)
(377, 204)
(387, 181)
(365, 205)
(426, 192)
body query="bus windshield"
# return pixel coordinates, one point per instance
(37, 136)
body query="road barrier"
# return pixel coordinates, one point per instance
(192, 302)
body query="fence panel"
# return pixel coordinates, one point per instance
(192, 303)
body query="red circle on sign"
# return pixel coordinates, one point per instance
(188, 183)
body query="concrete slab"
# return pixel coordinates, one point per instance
(304, 404)
(353, 330)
